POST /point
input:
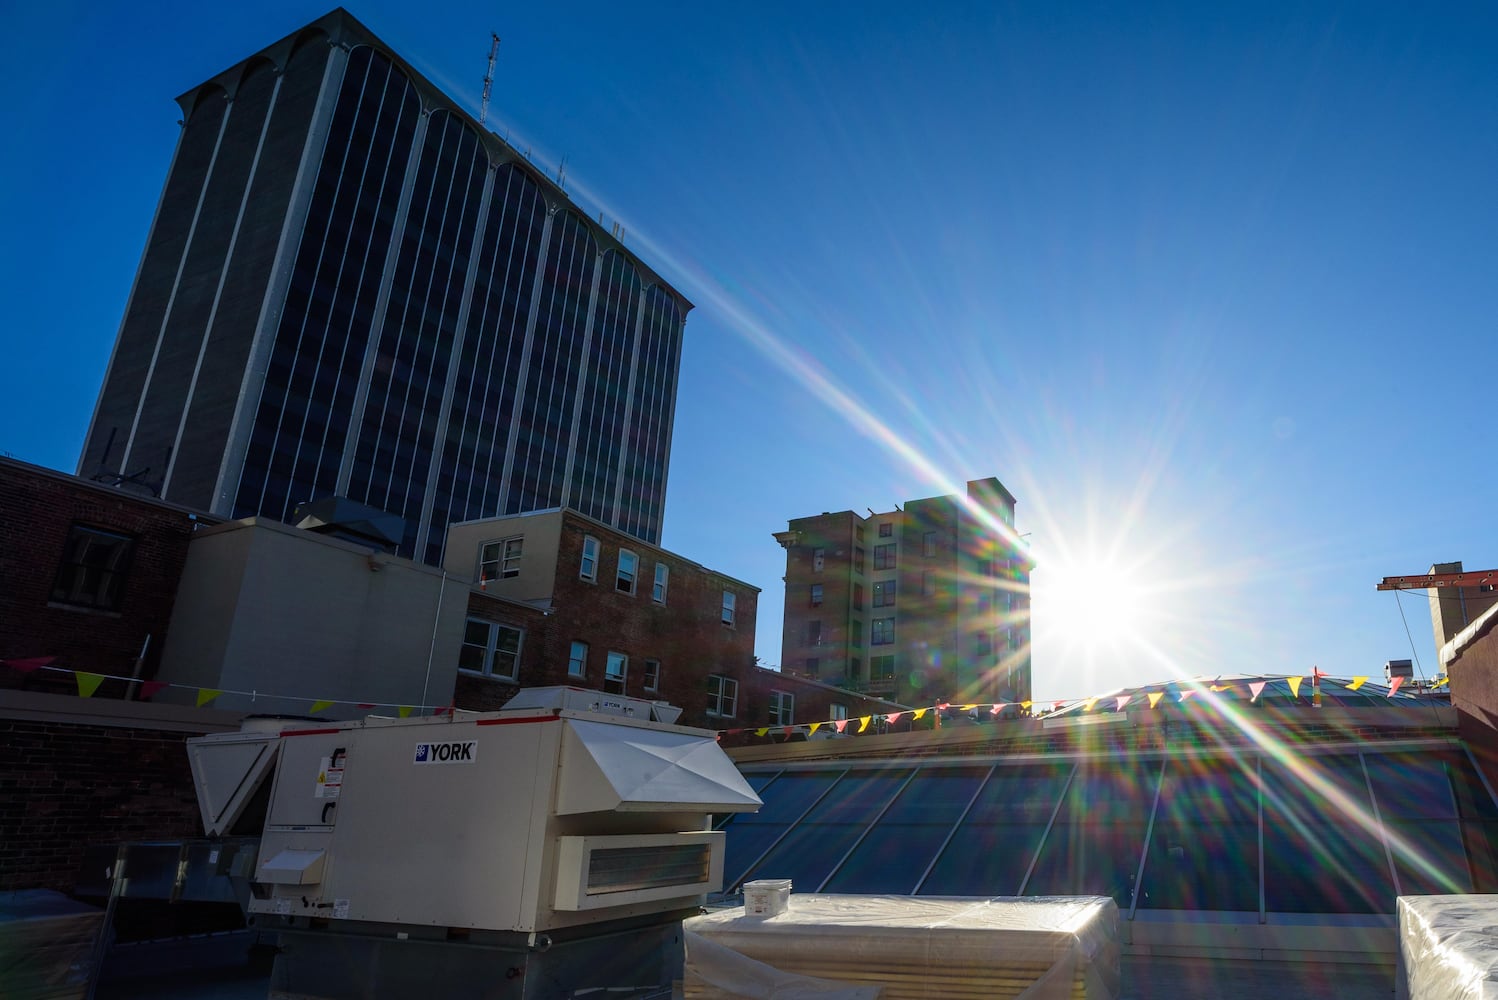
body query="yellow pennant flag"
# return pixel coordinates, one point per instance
(813, 728)
(968, 708)
(1357, 682)
(863, 723)
(1026, 705)
(405, 711)
(762, 732)
(87, 683)
(205, 695)
(1155, 698)
(1090, 703)
(918, 713)
(1295, 686)
(318, 706)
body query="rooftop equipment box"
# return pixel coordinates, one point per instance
(531, 819)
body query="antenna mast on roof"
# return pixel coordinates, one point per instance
(489, 77)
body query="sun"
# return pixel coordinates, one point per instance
(1095, 607)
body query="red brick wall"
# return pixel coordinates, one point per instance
(686, 635)
(65, 786)
(1474, 695)
(37, 508)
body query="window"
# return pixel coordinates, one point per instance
(500, 560)
(884, 594)
(490, 648)
(836, 712)
(857, 559)
(818, 560)
(577, 660)
(816, 595)
(881, 668)
(928, 544)
(782, 708)
(722, 696)
(729, 599)
(662, 578)
(93, 568)
(855, 668)
(884, 556)
(624, 580)
(813, 667)
(858, 532)
(886, 530)
(652, 675)
(589, 568)
(856, 634)
(858, 597)
(614, 671)
(814, 632)
(884, 632)
(928, 583)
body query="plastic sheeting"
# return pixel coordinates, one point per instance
(46, 945)
(1448, 947)
(1036, 948)
(714, 972)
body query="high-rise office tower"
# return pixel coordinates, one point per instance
(928, 601)
(351, 289)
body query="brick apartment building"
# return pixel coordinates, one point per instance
(929, 601)
(560, 598)
(90, 576)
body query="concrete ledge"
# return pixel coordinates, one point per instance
(32, 706)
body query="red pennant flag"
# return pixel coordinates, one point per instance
(735, 732)
(1257, 687)
(363, 704)
(1187, 693)
(998, 708)
(149, 688)
(841, 724)
(788, 729)
(894, 717)
(32, 663)
(1123, 700)
(1394, 685)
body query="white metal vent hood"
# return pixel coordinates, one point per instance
(613, 768)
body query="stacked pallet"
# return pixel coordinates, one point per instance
(918, 947)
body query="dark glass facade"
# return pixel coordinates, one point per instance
(350, 291)
(1340, 832)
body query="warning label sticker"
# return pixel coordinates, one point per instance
(330, 777)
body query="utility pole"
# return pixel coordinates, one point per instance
(489, 77)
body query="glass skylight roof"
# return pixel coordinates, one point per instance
(1333, 831)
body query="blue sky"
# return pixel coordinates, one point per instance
(1210, 287)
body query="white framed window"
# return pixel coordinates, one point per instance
(886, 530)
(662, 582)
(500, 559)
(818, 560)
(836, 711)
(722, 696)
(614, 672)
(884, 594)
(816, 595)
(729, 601)
(884, 556)
(782, 708)
(588, 568)
(652, 675)
(491, 649)
(884, 632)
(881, 668)
(624, 579)
(577, 660)
(928, 544)
(814, 632)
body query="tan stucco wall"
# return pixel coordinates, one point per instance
(538, 562)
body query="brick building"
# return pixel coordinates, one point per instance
(90, 575)
(927, 602)
(560, 598)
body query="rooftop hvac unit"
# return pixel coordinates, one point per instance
(1399, 668)
(563, 838)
